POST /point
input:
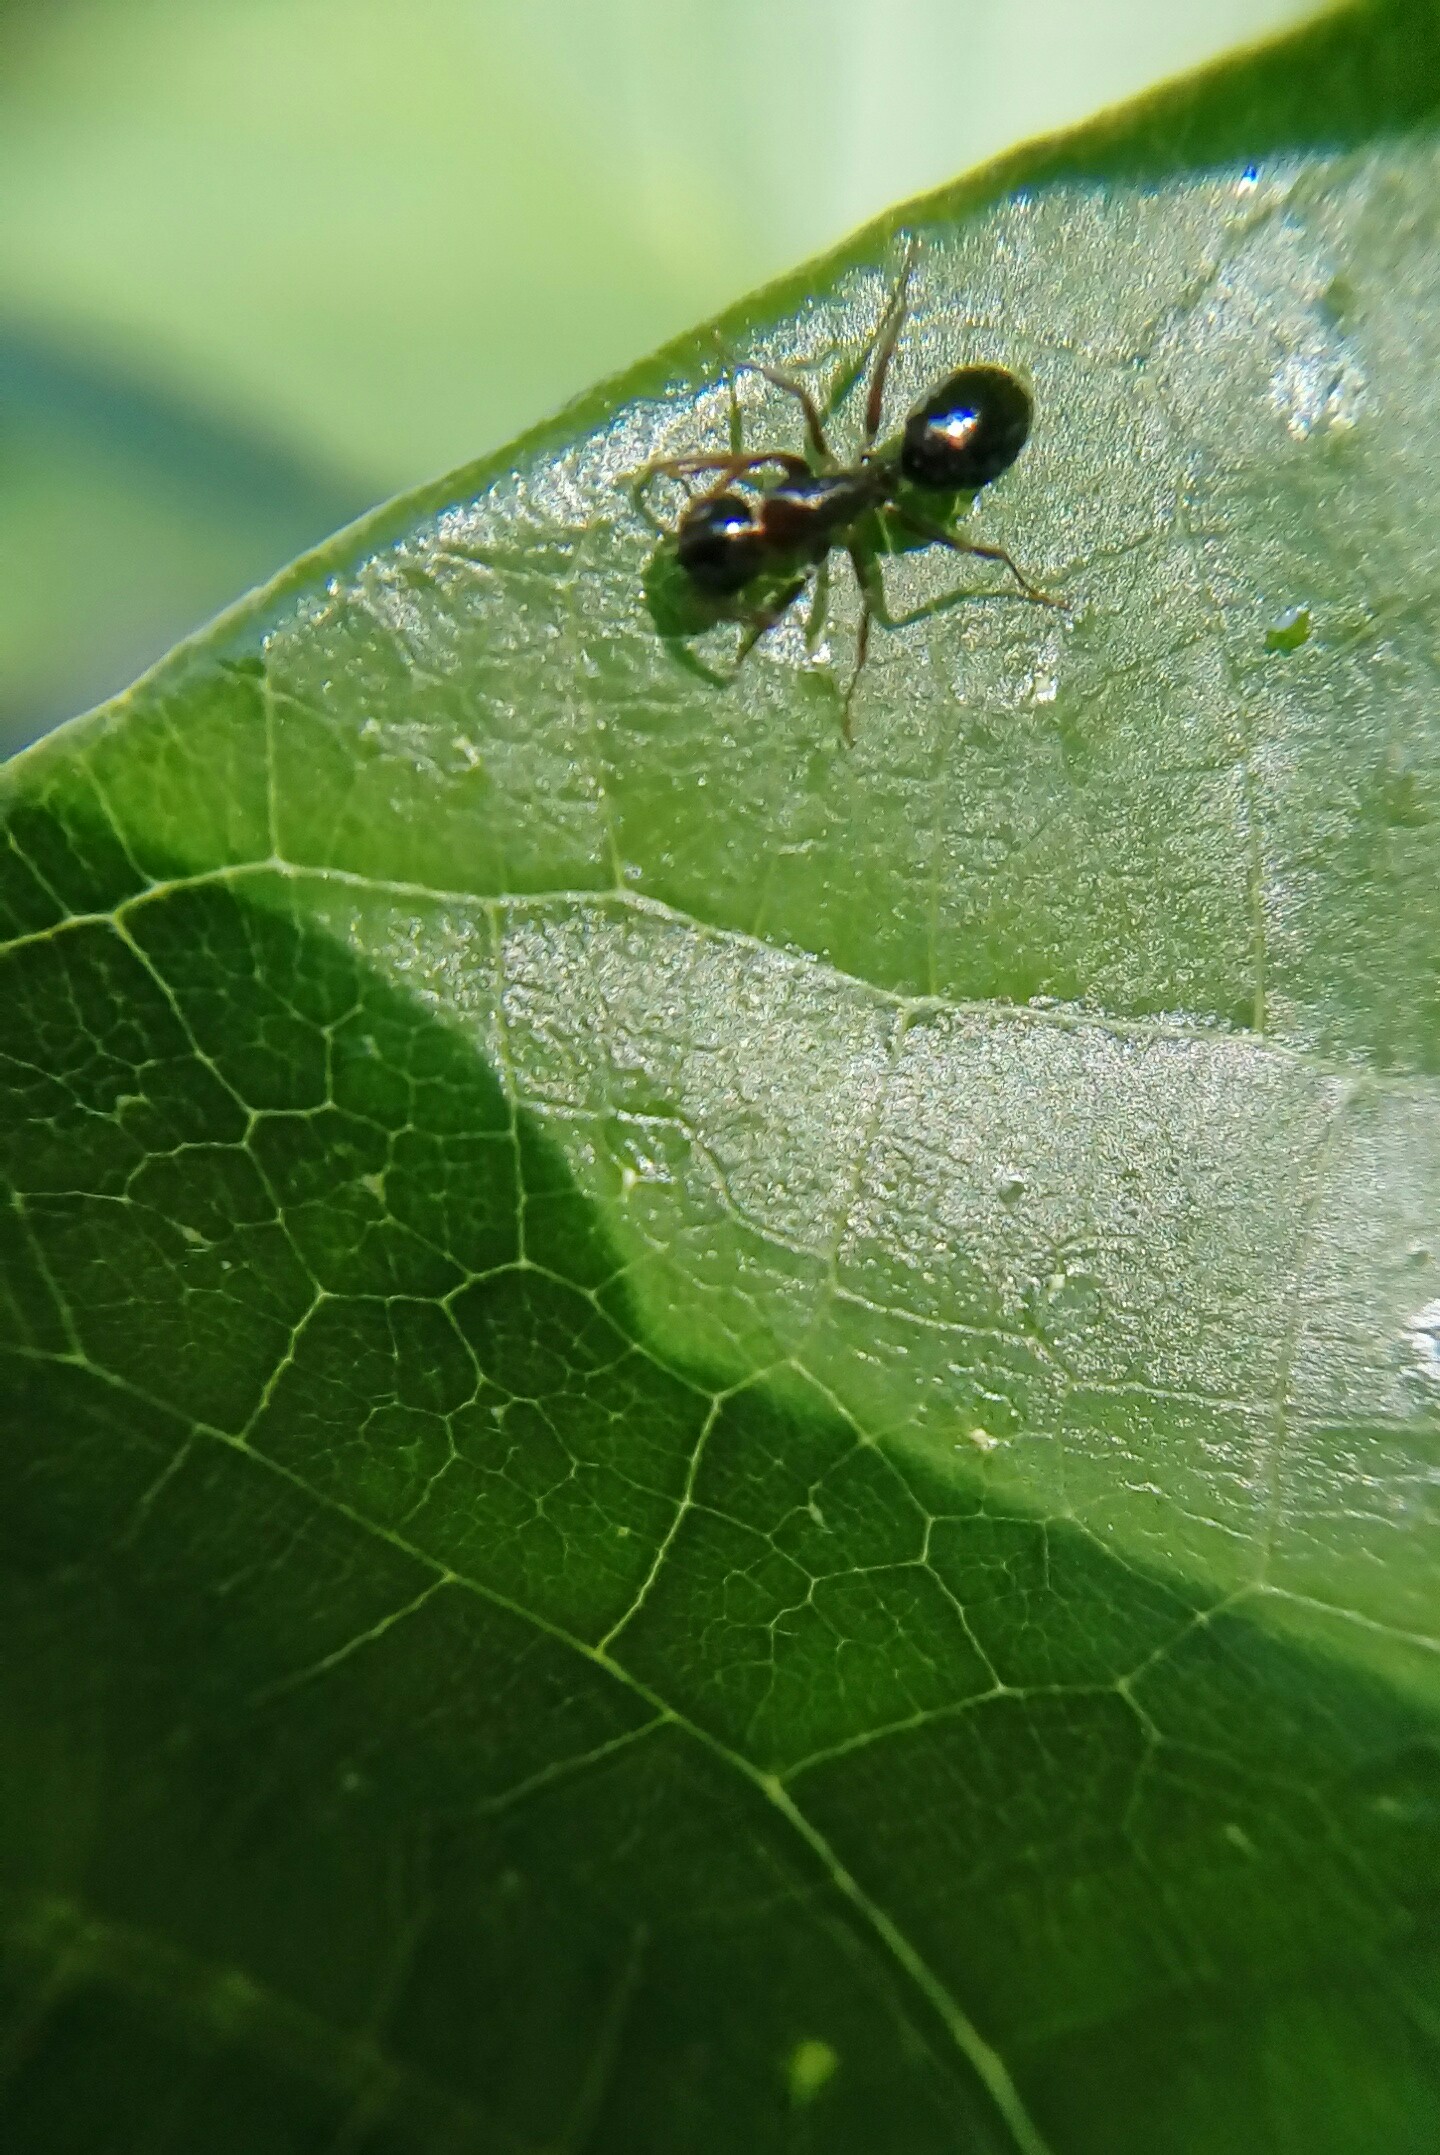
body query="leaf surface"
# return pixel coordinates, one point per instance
(721, 1444)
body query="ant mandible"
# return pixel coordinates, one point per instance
(748, 556)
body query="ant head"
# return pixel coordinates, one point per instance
(719, 544)
(967, 431)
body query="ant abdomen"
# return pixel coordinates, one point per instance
(967, 431)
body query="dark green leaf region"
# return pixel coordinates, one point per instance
(717, 1443)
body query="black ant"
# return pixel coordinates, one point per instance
(747, 557)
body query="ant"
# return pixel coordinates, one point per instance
(748, 556)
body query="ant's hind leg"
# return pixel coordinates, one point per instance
(939, 537)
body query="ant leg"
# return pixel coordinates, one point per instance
(891, 325)
(814, 427)
(640, 501)
(819, 607)
(850, 374)
(868, 571)
(939, 537)
(737, 420)
(872, 608)
(683, 467)
(761, 624)
(679, 650)
(643, 480)
(756, 626)
(726, 469)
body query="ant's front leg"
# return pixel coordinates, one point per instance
(756, 625)
(769, 617)
(872, 608)
(729, 467)
(723, 470)
(640, 486)
(819, 607)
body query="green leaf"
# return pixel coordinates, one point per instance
(719, 1444)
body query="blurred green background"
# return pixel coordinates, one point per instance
(263, 262)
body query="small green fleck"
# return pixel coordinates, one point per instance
(1290, 631)
(809, 2068)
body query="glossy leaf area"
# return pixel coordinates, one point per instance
(715, 1444)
